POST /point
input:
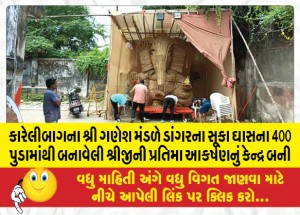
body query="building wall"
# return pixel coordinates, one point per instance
(11, 30)
(277, 69)
(38, 70)
(16, 23)
(15, 49)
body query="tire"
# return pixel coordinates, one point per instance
(77, 115)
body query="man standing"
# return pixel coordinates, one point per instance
(51, 103)
(139, 99)
(118, 100)
(170, 100)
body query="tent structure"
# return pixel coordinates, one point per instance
(171, 50)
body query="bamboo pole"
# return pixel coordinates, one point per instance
(233, 94)
(144, 25)
(262, 78)
(136, 29)
(128, 31)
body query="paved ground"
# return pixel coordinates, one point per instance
(33, 112)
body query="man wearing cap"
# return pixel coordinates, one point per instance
(118, 102)
(51, 102)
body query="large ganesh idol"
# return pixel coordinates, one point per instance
(165, 65)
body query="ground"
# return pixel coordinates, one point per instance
(33, 112)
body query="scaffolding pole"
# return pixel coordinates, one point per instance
(262, 78)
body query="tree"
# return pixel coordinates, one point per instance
(37, 46)
(62, 36)
(93, 62)
(271, 19)
(256, 21)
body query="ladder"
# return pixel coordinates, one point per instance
(97, 100)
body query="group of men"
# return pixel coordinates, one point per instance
(52, 102)
(139, 92)
(118, 102)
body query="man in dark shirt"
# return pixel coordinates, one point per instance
(51, 102)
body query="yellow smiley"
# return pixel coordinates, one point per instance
(39, 184)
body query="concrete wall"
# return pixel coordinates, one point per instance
(11, 30)
(277, 68)
(38, 70)
(15, 49)
(16, 23)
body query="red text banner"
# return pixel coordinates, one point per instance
(160, 187)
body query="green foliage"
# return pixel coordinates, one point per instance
(278, 18)
(261, 21)
(218, 16)
(32, 97)
(94, 61)
(69, 35)
(257, 22)
(38, 46)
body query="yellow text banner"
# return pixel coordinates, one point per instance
(156, 145)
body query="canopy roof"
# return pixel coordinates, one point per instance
(211, 39)
(136, 26)
(148, 23)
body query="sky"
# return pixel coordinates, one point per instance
(105, 20)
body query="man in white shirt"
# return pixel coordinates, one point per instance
(170, 100)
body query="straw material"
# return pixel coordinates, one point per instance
(159, 95)
(146, 83)
(169, 87)
(181, 93)
(133, 78)
(143, 75)
(143, 48)
(152, 87)
(161, 46)
(145, 60)
(149, 99)
(185, 102)
(152, 75)
(178, 59)
(180, 48)
(157, 103)
(163, 62)
(174, 76)
(191, 51)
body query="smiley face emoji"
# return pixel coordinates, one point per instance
(39, 184)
